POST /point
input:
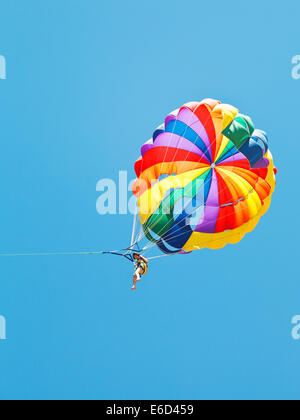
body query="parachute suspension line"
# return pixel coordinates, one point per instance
(151, 245)
(139, 238)
(168, 146)
(161, 256)
(134, 227)
(140, 235)
(166, 153)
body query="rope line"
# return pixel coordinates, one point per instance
(121, 252)
(125, 253)
(43, 254)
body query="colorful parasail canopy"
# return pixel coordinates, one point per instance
(204, 179)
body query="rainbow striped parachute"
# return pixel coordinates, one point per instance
(204, 179)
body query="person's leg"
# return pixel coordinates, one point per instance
(136, 278)
(134, 282)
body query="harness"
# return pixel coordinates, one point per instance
(143, 266)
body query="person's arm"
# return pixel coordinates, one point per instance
(144, 259)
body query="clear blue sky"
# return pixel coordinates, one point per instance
(87, 83)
